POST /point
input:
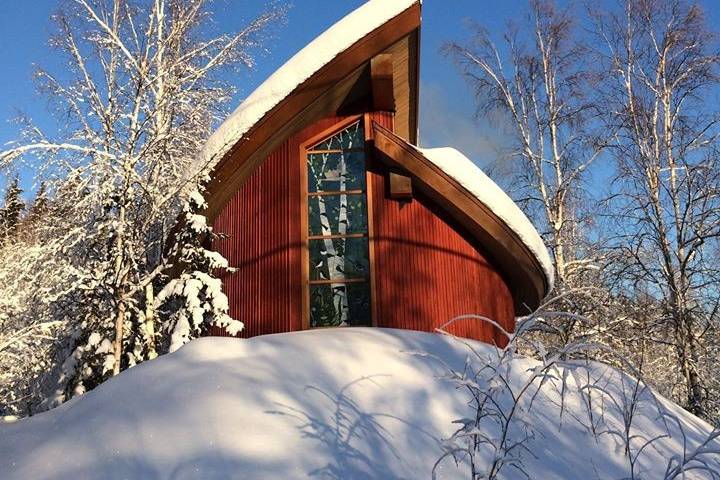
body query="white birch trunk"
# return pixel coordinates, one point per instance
(336, 263)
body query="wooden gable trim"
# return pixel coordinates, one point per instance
(518, 265)
(319, 96)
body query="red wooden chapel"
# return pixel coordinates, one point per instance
(333, 217)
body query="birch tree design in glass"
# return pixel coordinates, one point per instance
(338, 231)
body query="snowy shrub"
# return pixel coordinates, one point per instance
(618, 405)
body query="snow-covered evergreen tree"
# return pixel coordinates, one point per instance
(12, 208)
(39, 205)
(194, 301)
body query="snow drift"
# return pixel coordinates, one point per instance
(352, 403)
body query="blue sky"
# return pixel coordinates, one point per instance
(26, 26)
(447, 111)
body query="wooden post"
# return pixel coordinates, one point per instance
(400, 186)
(381, 75)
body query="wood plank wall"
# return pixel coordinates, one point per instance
(262, 225)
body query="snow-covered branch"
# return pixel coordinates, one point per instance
(145, 85)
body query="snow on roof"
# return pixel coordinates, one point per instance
(299, 68)
(348, 403)
(469, 175)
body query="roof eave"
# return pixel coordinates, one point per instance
(521, 269)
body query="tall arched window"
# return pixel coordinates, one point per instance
(339, 266)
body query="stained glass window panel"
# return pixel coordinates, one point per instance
(351, 137)
(340, 305)
(337, 214)
(336, 172)
(337, 165)
(359, 304)
(324, 312)
(339, 259)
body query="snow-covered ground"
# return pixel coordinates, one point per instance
(350, 403)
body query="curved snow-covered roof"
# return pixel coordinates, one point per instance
(473, 179)
(457, 185)
(299, 93)
(302, 66)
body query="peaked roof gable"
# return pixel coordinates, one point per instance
(297, 93)
(313, 84)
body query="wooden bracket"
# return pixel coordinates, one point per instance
(381, 74)
(400, 186)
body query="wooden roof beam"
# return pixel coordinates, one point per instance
(317, 97)
(381, 77)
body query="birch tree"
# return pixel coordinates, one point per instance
(539, 82)
(332, 174)
(662, 65)
(335, 262)
(147, 81)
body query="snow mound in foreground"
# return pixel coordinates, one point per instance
(333, 403)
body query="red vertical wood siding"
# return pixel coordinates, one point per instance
(263, 244)
(425, 271)
(262, 225)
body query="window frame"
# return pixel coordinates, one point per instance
(305, 195)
